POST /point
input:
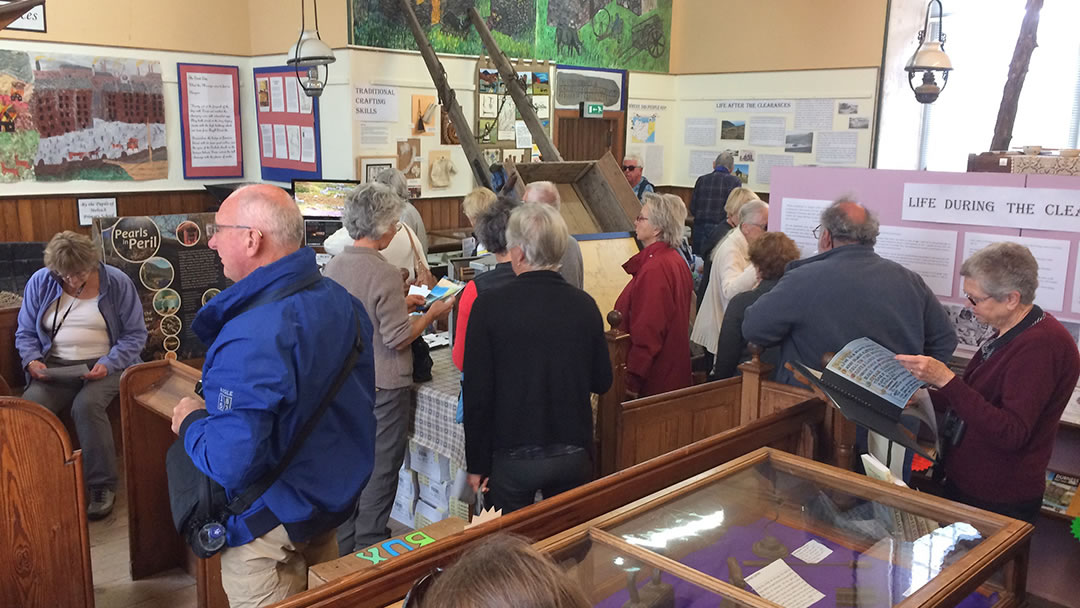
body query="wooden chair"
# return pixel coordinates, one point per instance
(46, 556)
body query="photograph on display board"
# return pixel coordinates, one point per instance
(635, 34)
(746, 156)
(733, 129)
(80, 117)
(174, 271)
(448, 135)
(858, 122)
(799, 142)
(368, 167)
(321, 198)
(846, 107)
(742, 172)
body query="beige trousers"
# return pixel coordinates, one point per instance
(271, 567)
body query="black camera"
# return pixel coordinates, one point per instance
(952, 429)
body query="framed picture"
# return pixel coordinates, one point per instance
(367, 167)
(210, 120)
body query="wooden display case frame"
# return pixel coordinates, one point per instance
(1007, 548)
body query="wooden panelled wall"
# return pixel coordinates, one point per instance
(441, 213)
(38, 218)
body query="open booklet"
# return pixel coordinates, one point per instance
(870, 387)
(445, 288)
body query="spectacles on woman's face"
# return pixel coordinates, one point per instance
(976, 301)
(415, 597)
(74, 277)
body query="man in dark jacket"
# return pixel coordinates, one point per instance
(278, 338)
(845, 292)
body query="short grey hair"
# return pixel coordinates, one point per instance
(543, 192)
(754, 212)
(395, 180)
(1002, 268)
(725, 159)
(635, 158)
(667, 213)
(490, 224)
(846, 230)
(370, 211)
(541, 234)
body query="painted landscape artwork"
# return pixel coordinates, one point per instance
(71, 117)
(630, 34)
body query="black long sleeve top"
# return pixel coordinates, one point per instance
(535, 351)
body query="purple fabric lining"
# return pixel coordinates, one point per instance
(880, 579)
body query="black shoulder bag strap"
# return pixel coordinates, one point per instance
(244, 500)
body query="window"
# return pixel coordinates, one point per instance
(980, 40)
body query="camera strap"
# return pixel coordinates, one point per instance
(245, 499)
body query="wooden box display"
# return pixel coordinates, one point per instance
(595, 194)
(703, 540)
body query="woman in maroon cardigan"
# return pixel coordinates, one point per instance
(1013, 391)
(656, 303)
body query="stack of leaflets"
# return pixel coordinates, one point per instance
(1060, 490)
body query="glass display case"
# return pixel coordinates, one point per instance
(772, 529)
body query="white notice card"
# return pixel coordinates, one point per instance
(281, 147)
(292, 101)
(812, 552)
(293, 132)
(277, 94)
(779, 584)
(267, 140)
(307, 144)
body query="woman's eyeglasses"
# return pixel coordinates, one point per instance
(415, 597)
(976, 301)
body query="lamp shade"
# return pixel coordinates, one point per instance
(310, 51)
(930, 56)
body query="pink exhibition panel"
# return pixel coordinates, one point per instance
(933, 247)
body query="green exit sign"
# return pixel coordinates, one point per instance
(592, 110)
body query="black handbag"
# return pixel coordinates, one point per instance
(199, 504)
(421, 360)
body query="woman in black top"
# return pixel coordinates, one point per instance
(536, 350)
(770, 254)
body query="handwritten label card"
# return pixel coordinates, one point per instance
(812, 552)
(779, 584)
(89, 208)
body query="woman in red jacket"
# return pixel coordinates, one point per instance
(656, 303)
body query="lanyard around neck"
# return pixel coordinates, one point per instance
(56, 326)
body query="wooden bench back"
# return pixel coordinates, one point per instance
(46, 555)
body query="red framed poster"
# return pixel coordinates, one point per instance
(210, 120)
(288, 123)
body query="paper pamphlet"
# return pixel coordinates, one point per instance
(812, 552)
(67, 372)
(875, 368)
(779, 584)
(445, 288)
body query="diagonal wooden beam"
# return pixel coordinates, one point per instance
(12, 11)
(1010, 97)
(448, 98)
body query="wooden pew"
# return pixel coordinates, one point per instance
(799, 428)
(45, 559)
(631, 432)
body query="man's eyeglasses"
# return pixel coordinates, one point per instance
(817, 232)
(975, 302)
(630, 167)
(415, 597)
(212, 229)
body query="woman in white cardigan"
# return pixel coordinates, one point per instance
(732, 273)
